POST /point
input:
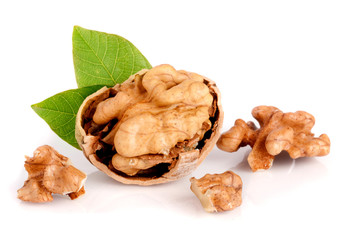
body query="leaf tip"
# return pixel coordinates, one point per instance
(33, 106)
(76, 27)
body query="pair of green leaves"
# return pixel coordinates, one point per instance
(100, 59)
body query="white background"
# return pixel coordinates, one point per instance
(295, 55)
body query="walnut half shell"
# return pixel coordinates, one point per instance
(156, 127)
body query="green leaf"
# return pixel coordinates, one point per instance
(59, 111)
(104, 59)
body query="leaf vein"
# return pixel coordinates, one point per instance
(68, 134)
(106, 46)
(67, 102)
(117, 54)
(52, 110)
(87, 61)
(65, 123)
(102, 63)
(133, 57)
(92, 75)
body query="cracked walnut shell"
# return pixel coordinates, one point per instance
(155, 127)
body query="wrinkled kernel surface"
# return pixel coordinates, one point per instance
(278, 132)
(50, 172)
(218, 192)
(156, 112)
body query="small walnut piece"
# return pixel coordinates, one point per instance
(278, 132)
(50, 172)
(155, 127)
(218, 192)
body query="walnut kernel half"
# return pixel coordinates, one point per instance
(290, 132)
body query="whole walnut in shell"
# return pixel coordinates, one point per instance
(156, 127)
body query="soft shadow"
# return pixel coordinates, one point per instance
(243, 165)
(285, 175)
(219, 161)
(104, 194)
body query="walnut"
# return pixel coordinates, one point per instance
(278, 132)
(156, 127)
(218, 192)
(50, 172)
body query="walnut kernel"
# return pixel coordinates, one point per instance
(50, 172)
(278, 132)
(218, 192)
(156, 127)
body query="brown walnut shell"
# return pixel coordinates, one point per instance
(100, 154)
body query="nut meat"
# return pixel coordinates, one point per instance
(278, 132)
(155, 127)
(218, 192)
(50, 172)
